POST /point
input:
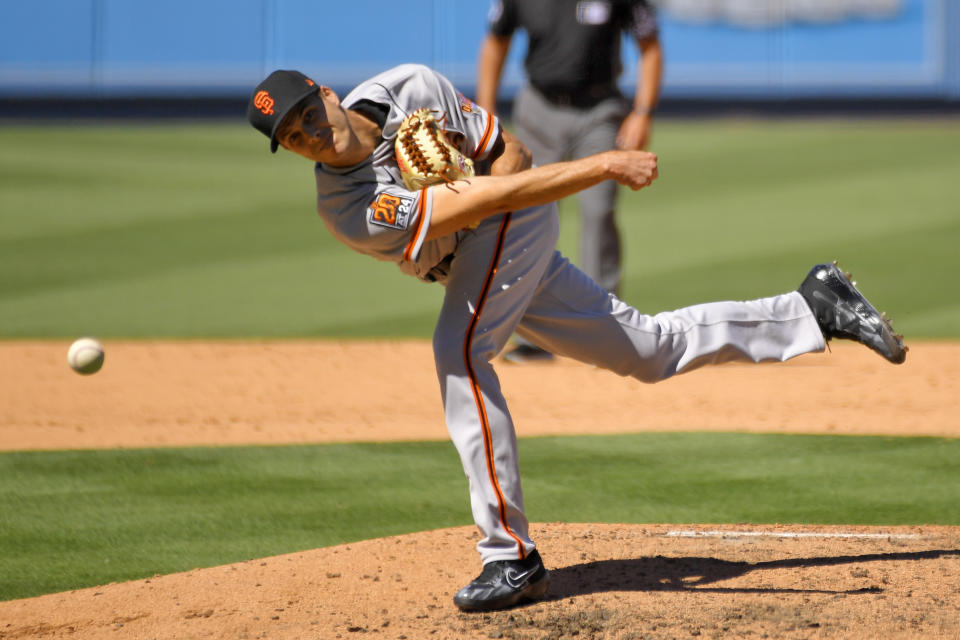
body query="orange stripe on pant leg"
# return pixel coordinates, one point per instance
(475, 387)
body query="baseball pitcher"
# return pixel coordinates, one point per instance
(410, 171)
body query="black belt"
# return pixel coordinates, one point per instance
(582, 98)
(440, 271)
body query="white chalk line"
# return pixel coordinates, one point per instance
(690, 533)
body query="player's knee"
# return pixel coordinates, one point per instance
(446, 350)
(449, 350)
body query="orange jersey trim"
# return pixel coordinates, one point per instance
(415, 238)
(485, 139)
(475, 386)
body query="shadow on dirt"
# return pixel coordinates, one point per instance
(677, 574)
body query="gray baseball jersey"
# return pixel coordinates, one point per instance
(505, 275)
(367, 207)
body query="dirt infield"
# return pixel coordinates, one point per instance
(608, 581)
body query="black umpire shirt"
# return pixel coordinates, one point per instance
(574, 45)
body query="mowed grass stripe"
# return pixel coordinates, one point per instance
(72, 519)
(197, 231)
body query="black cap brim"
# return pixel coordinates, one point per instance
(275, 98)
(274, 143)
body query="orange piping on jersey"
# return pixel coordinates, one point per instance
(486, 137)
(421, 211)
(475, 387)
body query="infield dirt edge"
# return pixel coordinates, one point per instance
(609, 581)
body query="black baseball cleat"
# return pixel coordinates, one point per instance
(504, 584)
(843, 312)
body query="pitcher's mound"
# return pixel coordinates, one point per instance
(607, 581)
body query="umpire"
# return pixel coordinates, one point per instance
(571, 106)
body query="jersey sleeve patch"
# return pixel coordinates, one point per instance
(391, 211)
(466, 104)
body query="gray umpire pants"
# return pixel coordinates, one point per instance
(554, 133)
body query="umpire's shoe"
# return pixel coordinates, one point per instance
(504, 584)
(843, 312)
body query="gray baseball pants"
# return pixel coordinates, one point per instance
(506, 276)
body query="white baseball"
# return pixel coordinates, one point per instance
(85, 356)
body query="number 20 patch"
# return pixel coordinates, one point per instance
(391, 211)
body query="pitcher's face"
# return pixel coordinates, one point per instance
(318, 130)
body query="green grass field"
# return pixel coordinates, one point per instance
(197, 231)
(74, 519)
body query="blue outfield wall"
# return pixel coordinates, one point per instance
(714, 48)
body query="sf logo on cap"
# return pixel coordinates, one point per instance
(264, 102)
